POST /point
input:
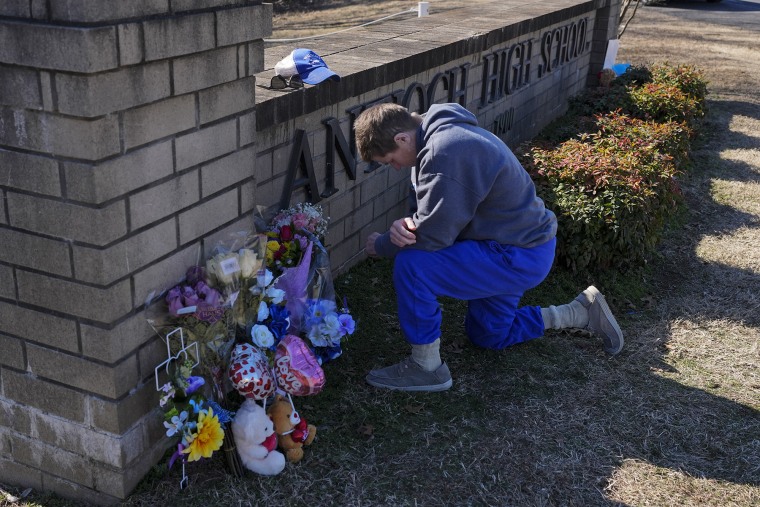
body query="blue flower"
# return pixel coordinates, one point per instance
(176, 424)
(197, 406)
(326, 354)
(222, 414)
(280, 321)
(317, 310)
(347, 324)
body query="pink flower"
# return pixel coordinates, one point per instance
(300, 221)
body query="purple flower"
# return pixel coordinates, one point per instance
(193, 384)
(189, 296)
(175, 305)
(195, 274)
(210, 296)
(174, 293)
(177, 454)
(303, 242)
(175, 301)
(347, 324)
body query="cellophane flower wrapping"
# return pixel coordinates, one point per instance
(212, 306)
(296, 251)
(202, 312)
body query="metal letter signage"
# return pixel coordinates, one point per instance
(336, 141)
(561, 45)
(300, 157)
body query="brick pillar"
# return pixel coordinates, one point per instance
(605, 28)
(126, 150)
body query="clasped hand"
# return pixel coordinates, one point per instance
(401, 235)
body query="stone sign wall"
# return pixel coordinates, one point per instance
(134, 137)
(514, 70)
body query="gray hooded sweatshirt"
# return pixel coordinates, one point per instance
(468, 185)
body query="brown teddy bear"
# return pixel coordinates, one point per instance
(292, 431)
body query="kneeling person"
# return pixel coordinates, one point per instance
(478, 232)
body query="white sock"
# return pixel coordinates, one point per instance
(571, 315)
(428, 356)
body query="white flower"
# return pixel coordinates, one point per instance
(249, 263)
(275, 295)
(263, 312)
(262, 336)
(316, 338)
(331, 324)
(264, 279)
(223, 268)
(330, 328)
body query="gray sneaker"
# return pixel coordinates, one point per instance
(408, 376)
(601, 321)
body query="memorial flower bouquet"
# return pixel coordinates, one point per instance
(202, 312)
(272, 318)
(261, 317)
(326, 326)
(295, 250)
(194, 422)
(289, 233)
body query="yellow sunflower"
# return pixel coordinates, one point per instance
(207, 438)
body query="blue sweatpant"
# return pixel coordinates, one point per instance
(490, 276)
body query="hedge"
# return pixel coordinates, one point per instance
(612, 182)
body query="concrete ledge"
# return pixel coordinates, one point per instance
(96, 12)
(375, 56)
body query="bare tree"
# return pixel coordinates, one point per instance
(625, 15)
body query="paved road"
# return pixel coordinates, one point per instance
(742, 13)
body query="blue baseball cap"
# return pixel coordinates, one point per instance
(307, 64)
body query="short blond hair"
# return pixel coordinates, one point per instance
(376, 127)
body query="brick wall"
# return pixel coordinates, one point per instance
(125, 144)
(133, 137)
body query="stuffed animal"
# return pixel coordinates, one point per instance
(256, 440)
(292, 431)
(606, 76)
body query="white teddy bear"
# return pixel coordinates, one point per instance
(256, 440)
